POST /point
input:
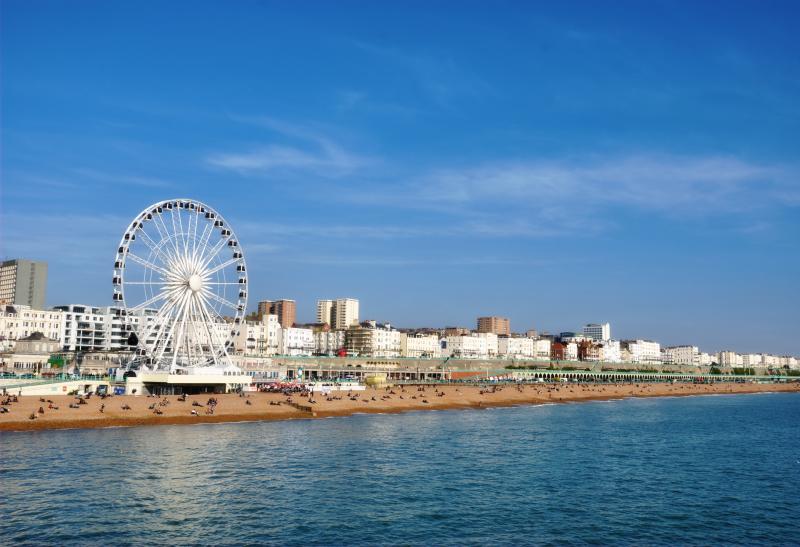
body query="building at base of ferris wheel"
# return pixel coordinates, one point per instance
(204, 380)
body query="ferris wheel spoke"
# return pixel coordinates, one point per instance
(213, 252)
(208, 229)
(172, 327)
(154, 247)
(149, 301)
(181, 321)
(147, 264)
(158, 329)
(160, 321)
(219, 267)
(219, 299)
(205, 321)
(166, 235)
(221, 283)
(211, 323)
(194, 233)
(180, 226)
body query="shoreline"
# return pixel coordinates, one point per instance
(257, 407)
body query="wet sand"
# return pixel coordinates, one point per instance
(257, 407)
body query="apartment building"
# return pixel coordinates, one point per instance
(681, 355)
(420, 345)
(641, 351)
(340, 314)
(373, 340)
(297, 341)
(20, 321)
(515, 347)
(495, 325)
(285, 310)
(259, 338)
(328, 341)
(599, 332)
(23, 282)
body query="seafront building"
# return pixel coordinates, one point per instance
(328, 341)
(23, 282)
(100, 339)
(641, 351)
(340, 314)
(373, 339)
(681, 355)
(420, 346)
(19, 321)
(297, 342)
(598, 331)
(494, 325)
(515, 347)
(285, 309)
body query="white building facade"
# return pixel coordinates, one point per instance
(19, 321)
(515, 348)
(420, 346)
(643, 351)
(297, 342)
(599, 332)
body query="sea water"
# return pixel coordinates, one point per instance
(690, 470)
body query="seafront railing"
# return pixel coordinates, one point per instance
(52, 380)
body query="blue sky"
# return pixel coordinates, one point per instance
(631, 162)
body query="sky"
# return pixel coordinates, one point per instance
(557, 163)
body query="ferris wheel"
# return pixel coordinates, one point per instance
(180, 277)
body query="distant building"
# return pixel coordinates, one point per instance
(598, 331)
(85, 328)
(259, 338)
(31, 355)
(682, 355)
(20, 321)
(515, 347)
(612, 351)
(495, 325)
(23, 282)
(297, 341)
(541, 349)
(345, 313)
(456, 331)
(641, 351)
(751, 360)
(325, 312)
(370, 339)
(481, 345)
(328, 341)
(286, 310)
(729, 359)
(340, 314)
(419, 345)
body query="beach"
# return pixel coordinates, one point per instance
(54, 412)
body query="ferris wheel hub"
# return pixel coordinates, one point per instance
(195, 282)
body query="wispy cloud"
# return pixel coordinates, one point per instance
(665, 183)
(546, 198)
(121, 178)
(437, 74)
(310, 150)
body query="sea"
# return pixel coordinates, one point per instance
(702, 470)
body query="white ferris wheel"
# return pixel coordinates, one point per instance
(180, 276)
